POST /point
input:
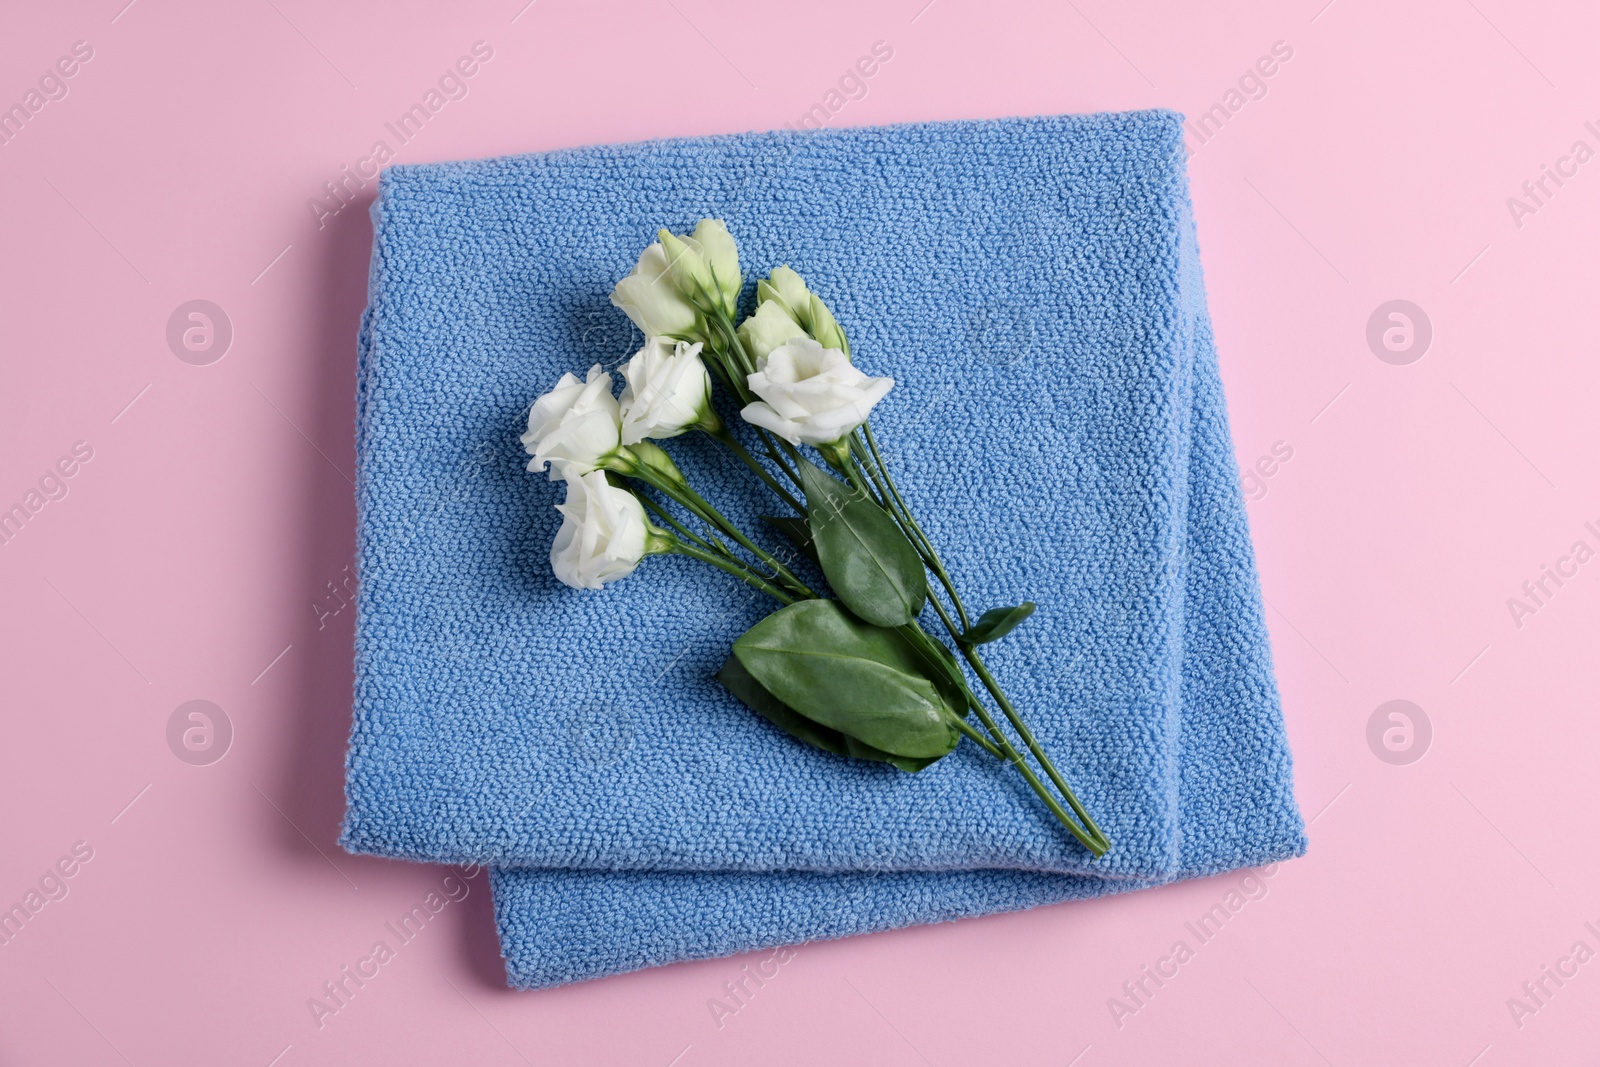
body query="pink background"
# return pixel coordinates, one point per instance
(192, 556)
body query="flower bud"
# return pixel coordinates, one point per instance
(784, 289)
(769, 328)
(690, 273)
(647, 460)
(789, 289)
(704, 266)
(649, 297)
(825, 328)
(722, 256)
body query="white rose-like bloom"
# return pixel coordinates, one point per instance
(651, 298)
(574, 426)
(668, 390)
(603, 533)
(810, 394)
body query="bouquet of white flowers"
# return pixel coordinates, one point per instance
(856, 674)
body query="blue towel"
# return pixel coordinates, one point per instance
(1034, 287)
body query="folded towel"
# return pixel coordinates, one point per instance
(1034, 287)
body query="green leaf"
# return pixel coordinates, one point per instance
(754, 695)
(862, 680)
(868, 561)
(742, 684)
(796, 530)
(862, 750)
(996, 623)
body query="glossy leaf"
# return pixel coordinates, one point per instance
(754, 695)
(862, 750)
(946, 674)
(996, 623)
(862, 680)
(867, 559)
(742, 684)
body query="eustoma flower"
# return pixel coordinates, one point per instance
(668, 392)
(576, 426)
(810, 394)
(603, 534)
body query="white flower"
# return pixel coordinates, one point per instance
(668, 391)
(769, 328)
(603, 533)
(651, 299)
(576, 426)
(810, 394)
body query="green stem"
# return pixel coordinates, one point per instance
(702, 507)
(680, 491)
(730, 338)
(929, 554)
(1000, 698)
(768, 445)
(852, 471)
(736, 568)
(877, 483)
(721, 371)
(896, 507)
(713, 546)
(722, 341)
(1096, 844)
(925, 550)
(666, 517)
(982, 670)
(930, 651)
(1089, 834)
(983, 742)
(727, 438)
(733, 379)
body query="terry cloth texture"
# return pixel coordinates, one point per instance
(1058, 425)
